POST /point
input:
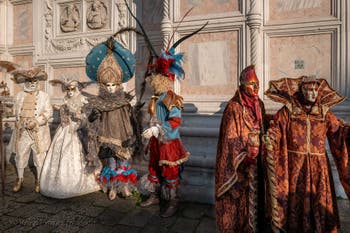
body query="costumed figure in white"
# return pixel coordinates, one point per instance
(32, 133)
(111, 132)
(65, 173)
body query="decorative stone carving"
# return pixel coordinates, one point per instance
(55, 45)
(97, 15)
(122, 22)
(70, 18)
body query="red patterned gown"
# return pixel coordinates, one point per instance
(301, 183)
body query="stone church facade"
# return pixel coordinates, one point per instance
(283, 38)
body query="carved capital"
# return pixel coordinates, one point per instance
(254, 19)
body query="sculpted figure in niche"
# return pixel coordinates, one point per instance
(97, 15)
(70, 18)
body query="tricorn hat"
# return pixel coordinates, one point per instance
(24, 75)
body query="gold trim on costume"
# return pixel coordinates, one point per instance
(109, 71)
(113, 141)
(233, 179)
(174, 163)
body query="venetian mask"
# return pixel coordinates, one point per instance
(112, 87)
(31, 85)
(310, 91)
(72, 91)
(251, 86)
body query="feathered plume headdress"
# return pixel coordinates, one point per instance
(110, 62)
(66, 83)
(21, 75)
(167, 63)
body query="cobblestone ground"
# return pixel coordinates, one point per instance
(28, 211)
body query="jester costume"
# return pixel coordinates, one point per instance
(300, 178)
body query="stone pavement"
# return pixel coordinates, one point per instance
(28, 211)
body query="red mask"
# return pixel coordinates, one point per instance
(251, 84)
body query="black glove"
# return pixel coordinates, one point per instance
(95, 114)
(105, 152)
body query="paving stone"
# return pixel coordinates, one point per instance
(46, 200)
(43, 228)
(138, 217)
(109, 217)
(210, 213)
(166, 222)
(123, 205)
(25, 211)
(155, 227)
(30, 197)
(183, 225)
(97, 228)
(8, 222)
(87, 210)
(103, 202)
(66, 229)
(66, 217)
(194, 211)
(35, 220)
(5, 203)
(344, 207)
(206, 225)
(19, 228)
(52, 209)
(345, 224)
(128, 229)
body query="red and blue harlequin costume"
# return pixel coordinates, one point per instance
(165, 148)
(166, 151)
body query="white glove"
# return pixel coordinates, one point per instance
(152, 131)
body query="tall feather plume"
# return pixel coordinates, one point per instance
(143, 31)
(188, 36)
(177, 26)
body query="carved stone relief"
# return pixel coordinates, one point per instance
(122, 23)
(70, 18)
(97, 15)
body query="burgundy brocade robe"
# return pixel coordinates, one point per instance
(237, 186)
(303, 197)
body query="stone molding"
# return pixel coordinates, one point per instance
(21, 50)
(18, 2)
(55, 46)
(335, 8)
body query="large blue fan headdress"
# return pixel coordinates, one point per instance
(109, 61)
(167, 62)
